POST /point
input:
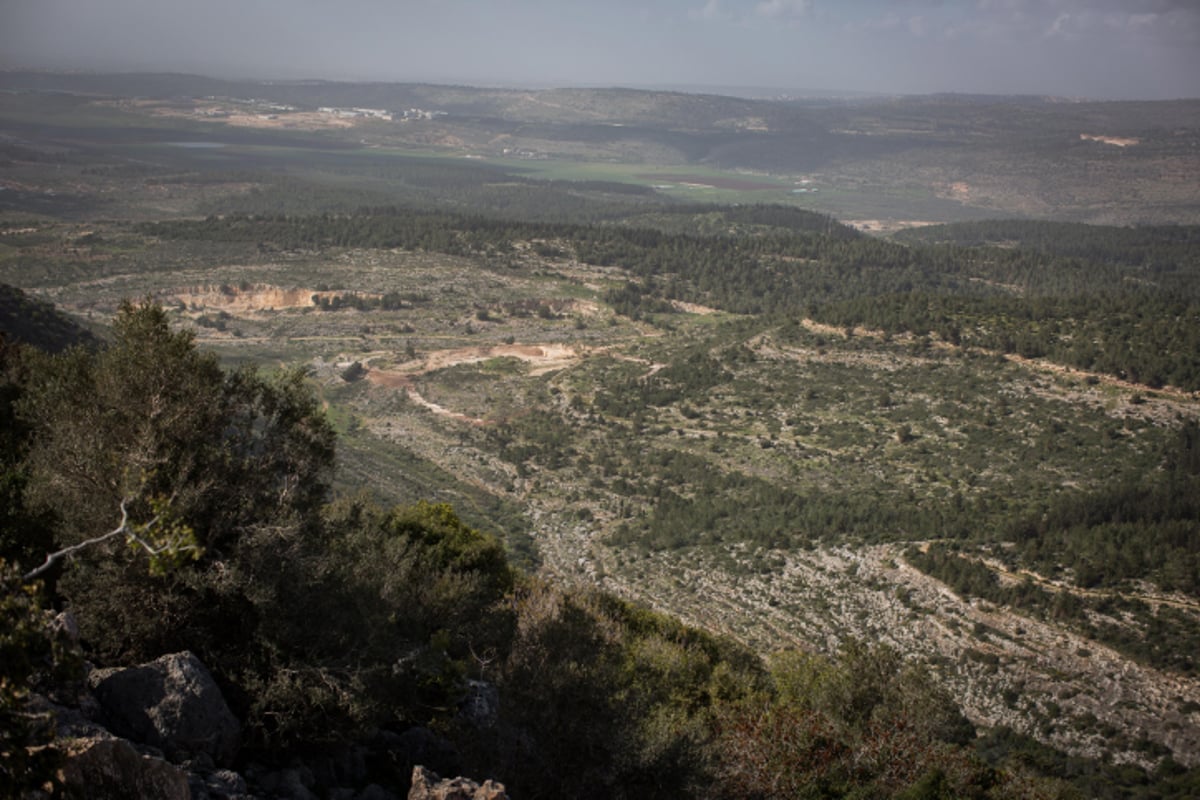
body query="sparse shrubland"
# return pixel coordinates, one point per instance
(327, 620)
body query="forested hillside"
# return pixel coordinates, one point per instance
(1133, 313)
(301, 603)
(605, 443)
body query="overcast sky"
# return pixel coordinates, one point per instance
(1143, 49)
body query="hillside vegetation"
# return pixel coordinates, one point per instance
(719, 493)
(328, 621)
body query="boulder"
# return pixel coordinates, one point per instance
(427, 785)
(220, 784)
(171, 703)
(103, 768)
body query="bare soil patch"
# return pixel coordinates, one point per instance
(693, 308)
(543, 358)
(235, 299)
(1117, 141)
(887, 225)
(239, 117)
(958, 190)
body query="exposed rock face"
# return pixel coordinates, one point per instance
(112, 769)
(172, 704)
(427, 786)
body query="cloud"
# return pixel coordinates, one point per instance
(888, 22)
(1057, 27)
(1166, 23)
(918, 25)
(783, 8)
(709, 11)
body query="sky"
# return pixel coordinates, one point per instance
(1105, 49)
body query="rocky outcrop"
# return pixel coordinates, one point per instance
(172, 704)
(219, 784)
(427, 785)
(101, 768)
(162, 730)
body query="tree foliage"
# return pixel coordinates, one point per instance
(33, 654)
(863, 724)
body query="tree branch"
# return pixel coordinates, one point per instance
(121, 530)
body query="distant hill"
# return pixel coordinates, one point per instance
(930, 158)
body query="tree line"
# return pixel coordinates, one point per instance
(1132, 311)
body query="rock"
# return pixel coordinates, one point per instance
(112, 769)
(171, 703)
(70, 723)
(201, 763)
(221, 784)
(427, 785)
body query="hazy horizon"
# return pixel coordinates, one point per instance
(1103, 49)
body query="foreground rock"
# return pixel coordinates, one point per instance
(112, 769)
(427, 785)
(172, 704)
(162, 731)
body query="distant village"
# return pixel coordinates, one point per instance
(379, 113)
(270, 110)
(258, 112)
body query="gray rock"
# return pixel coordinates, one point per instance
(427, 785)
(112, 769)
(171, 703)
(224, 783)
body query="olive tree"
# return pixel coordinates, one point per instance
(191, 461)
